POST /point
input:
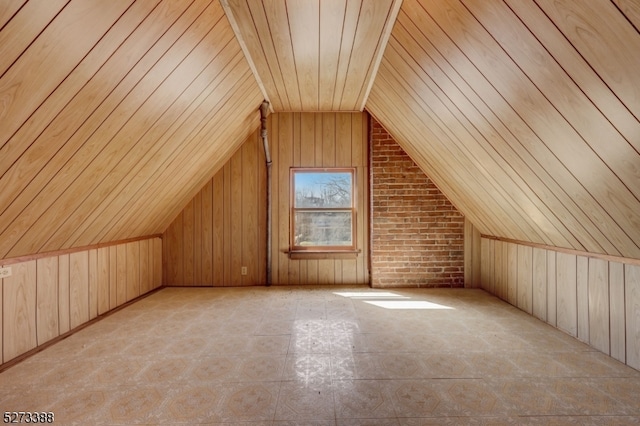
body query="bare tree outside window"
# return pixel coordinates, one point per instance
(323, 209)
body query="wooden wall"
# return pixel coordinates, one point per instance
(593, 299)
(113, 115)
(524, 113)
(472, 255)
(47, 297)
(223, 227)
(318, 140)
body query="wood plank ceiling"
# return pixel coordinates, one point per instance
(314, 55)
(525, 113)
(113, 114)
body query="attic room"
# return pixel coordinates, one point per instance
(331, 212)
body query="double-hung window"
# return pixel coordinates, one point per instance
(323, 210)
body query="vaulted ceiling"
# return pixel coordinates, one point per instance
(525, 113)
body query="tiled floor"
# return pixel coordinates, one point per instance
(322, 356)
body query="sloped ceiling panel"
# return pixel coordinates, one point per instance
(524, 112)
(113, 114)
(314, 55)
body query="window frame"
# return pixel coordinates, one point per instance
(316, 249)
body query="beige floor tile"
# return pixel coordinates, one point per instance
(305, 402)
(322, 356)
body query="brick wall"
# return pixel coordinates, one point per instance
(417, 235)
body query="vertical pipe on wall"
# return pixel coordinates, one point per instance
(263, 133)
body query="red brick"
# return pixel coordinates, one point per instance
(417, 234)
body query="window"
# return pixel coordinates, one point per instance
(323, 210)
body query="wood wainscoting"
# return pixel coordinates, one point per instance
(591, 297)
(48, 296)
(222, 229)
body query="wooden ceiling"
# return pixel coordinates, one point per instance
(114, 113)
(314, 55)
(525, 113)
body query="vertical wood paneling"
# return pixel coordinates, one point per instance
(597, 305)
(133, 270)
(582, 297)
(218, 229)
(237, 213)
(539, 309)
(47, 299)
(50, 296)
(188, 242)
(19, 310)
(512, 274)
(157, 263)
(282, 218)
(207, 234)
(617, 326)
(227, 208)
(113, 277)
(78, 288)
(103, 280)
(500, 268)
(237, 218)
(197, 239)
(146, 274)
(472, 253)
(360, 159)
(487, 270)
(251, 218)
(63, 293)
(632, 308)
(93, 283)
(552, 296)
(595, 300)
(567, 312)
(525, 278)
(121, 274)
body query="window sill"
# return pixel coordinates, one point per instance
(323, 254)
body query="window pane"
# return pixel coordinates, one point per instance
(323, 228)
(322, 189)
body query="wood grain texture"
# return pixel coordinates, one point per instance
(161, 77)
(589, 297)
(525, 279)
(304, 52)
(47, 299)
(598, 305)
(78, 289)
(132, 270)
(539, 309)
(237, 194)
(582, 297)
(617, 325)
(499, 81)
(552, 289)
(93, 283)
(632, 305)
(121, 274)
(487, 273)
(63, 293)
(19, 310)
(52, 295)
(230, 218)
(103, 280)
(512, 274)
(566, 293)
(472, 252)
